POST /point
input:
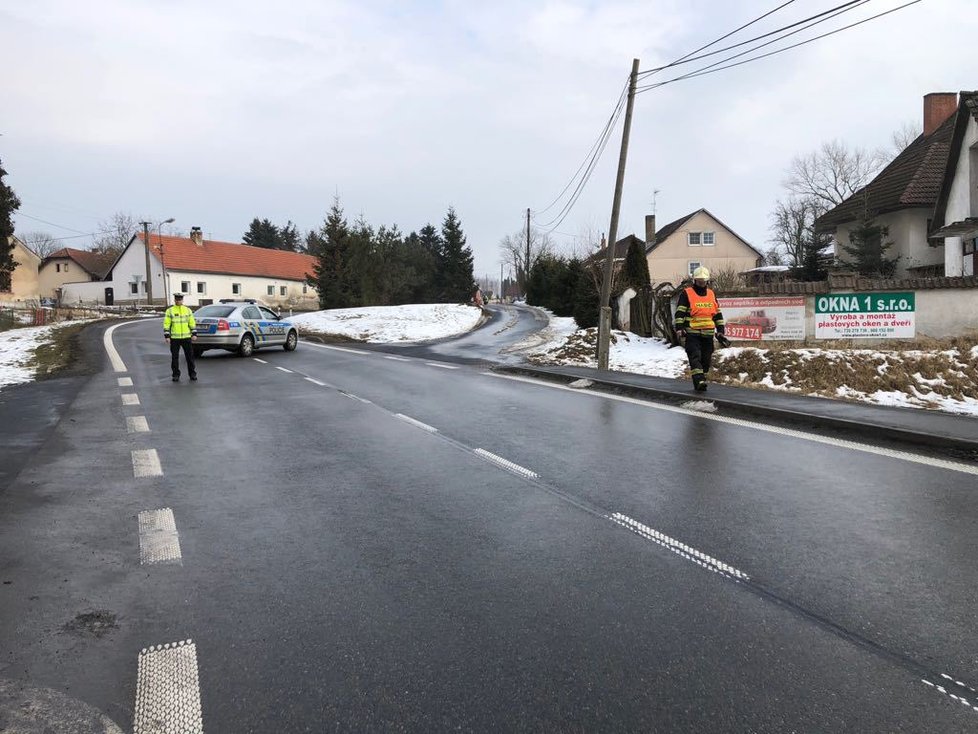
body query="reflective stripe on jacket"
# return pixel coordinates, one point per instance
(178, 323)
(699, 314)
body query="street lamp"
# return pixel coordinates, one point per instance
(159, 235)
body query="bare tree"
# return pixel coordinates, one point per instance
(833, 173)
(41, 243)
(514, 252)
(115, 234)
(904, 135)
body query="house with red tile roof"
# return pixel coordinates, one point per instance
(69, 265)
(21, 287)
(904, 197)
(206, 271)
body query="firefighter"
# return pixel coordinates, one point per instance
(180, 331)
(698, 320)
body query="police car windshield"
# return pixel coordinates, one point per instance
(215, 311)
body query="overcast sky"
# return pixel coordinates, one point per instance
(217, 112)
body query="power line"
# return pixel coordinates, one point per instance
(50, 224)
(710, 70)
(690, 57)
(686, 58)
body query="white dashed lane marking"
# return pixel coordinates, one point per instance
(137, 424)
(159, 541)
(146, 463)
(315, 382)
(337, 349)
(417, 423)
(443, 366)
(125, 382)
(168, 690)
(130, 398)
(506, 464)
(679, 548)
(397, 359)
(283, 369)
(941, 689)
(260, 361)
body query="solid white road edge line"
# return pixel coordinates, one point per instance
(413, 422)
(336, 349)
(679, 548)
(168, 690)
(125, 382)
(790, 432)
(283, 369)
(159, 541)
(117, 364)
(137, 424)
(443, 366)
(130, 398)
(146, 463)
(506, 464)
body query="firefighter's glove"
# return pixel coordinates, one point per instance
(681, 334)
(724, 342)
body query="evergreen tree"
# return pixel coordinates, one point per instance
(9, 203)
(815, 257)
(586, 300)
(330, 245)
(262, 233)
(420, 269)
(289, 237)
(434, 247)
(456, 262)
(636, 270)
(867, 247)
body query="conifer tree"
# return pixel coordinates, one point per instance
(9, 203)
(330, 244)
(636, 270)
(868, 244)
(262, 233)
(289, 237)
(456, 261)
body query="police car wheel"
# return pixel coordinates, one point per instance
(247, 345)
(291, 341)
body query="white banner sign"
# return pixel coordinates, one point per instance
(755, 319)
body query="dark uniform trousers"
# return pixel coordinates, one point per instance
(699, 350)
(188, 352)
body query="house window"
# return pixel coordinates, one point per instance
(236, 289)
(709, 239)
(57, 267)
(282, 290)
(201, 286)
(185, 286)
(693, 265)
(969, 246)
(305, 288)
(66, 267)
(271, 290)
(134, 288)
(694, 239)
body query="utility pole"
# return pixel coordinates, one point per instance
(604, 320)
(526, 277)
(149, 275)
(500, 294)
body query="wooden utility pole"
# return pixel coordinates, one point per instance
(604, 319)
(526, 265)
(149, 274)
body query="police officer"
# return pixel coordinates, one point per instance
(180, 331)
(698, 319)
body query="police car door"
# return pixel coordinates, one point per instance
(251, 320)
(275, 329)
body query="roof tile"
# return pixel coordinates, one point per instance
(181, 253)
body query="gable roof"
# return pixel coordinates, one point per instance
(93, 263)
(670, 229)
(17, 242)
(621, 249)
(967, 107)
(912, 179)
(228, 258)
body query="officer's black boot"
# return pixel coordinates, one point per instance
(699, 383)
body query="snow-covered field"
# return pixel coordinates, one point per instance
(390, 324)
(16, 350)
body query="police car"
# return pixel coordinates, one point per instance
(242, 326)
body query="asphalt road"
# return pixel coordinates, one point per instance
(376, 541)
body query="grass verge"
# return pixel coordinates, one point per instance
(58, 354)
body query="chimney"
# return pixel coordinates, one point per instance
(197, 236)
(650, 229)
(938, 106)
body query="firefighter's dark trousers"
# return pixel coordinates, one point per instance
(188, 352)
(699, 349)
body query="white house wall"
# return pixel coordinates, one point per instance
(960, 201)
(907, 229)
(221, 286)
(133, 264)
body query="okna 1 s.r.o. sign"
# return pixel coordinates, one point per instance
(865, 316)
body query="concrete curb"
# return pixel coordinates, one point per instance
(960, 447)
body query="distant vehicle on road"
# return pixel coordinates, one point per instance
(242, 326)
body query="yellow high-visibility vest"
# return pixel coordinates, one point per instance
(178, 322)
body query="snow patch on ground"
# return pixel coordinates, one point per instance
(17, 349)
(392, 324)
